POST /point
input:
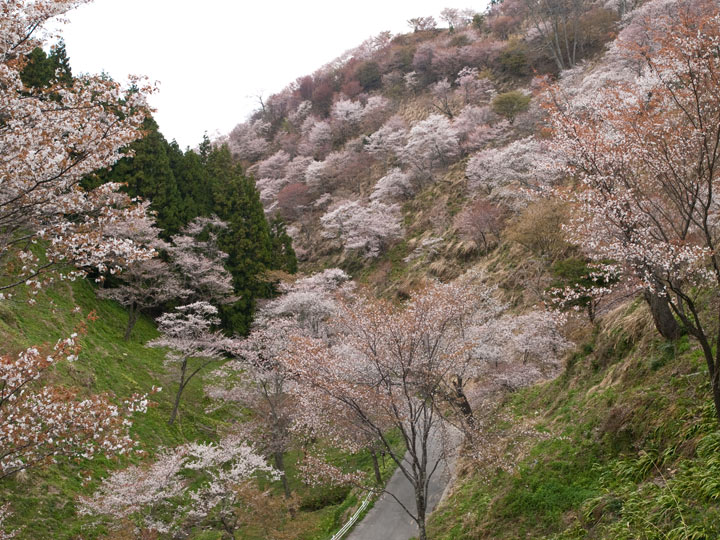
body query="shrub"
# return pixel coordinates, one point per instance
(513, 58)
(510, 104)
(369, 75)
(539, 229)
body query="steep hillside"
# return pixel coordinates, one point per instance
(408, 155)
(43, 503)
(623, 445)
(426, 154)
(507, 235)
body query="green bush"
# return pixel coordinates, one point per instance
(513, 58)
(510, 104)
(323, 496)
(369, 76)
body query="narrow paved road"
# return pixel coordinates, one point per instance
(387, 520)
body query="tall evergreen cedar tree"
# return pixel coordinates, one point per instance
(149, 175)
(41, 68)
(247, 240)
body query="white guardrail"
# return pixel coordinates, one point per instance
(342, 532)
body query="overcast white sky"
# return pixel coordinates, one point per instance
(212, 56)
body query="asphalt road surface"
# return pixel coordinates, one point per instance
(387, 520)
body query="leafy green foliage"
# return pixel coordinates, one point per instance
(247, 239)
(510, 104)
(283, 253)
(369, 75)
(149, 175)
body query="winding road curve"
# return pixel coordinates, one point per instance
(386, 520)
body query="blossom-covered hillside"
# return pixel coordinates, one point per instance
(487, 247)
(427, 142)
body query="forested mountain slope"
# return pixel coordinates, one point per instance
(501, 232)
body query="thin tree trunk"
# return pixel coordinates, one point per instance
(421, 506)
(280, 466)
(462, 400)
(132, 319)
(173, 415)
(229, 526)
(715, 384)
(662, 316)
(376, 467)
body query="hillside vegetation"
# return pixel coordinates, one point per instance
(44, 503)
(502, 231)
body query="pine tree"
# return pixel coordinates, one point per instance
(193, 182)
(58, 57)
(41, 69)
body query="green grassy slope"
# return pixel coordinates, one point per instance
(43, 500)
(625, 446)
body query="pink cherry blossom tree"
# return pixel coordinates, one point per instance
(161, 496)
(646, 156)
(51, 138)
(391, 365)
(443, 98)
(515, 173)
(431, 144)
(258, 379)
(477, 127)
(247, 141)
(396, 185)
(318, 138)
(346, 116)
(144, 284)
(420, 24)
(472, 87)
(198, 262)
(274, 166)
(40, 422)
(365, 228)
(387, 142)
(188, 333)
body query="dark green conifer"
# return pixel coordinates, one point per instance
(42, 69)
(284, 257)
(247, 239)
(148, 175)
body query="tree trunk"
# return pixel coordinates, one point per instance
(662, 316)
(173, 415)
(280, 466)
(421, 506)
(229, 527)
(132, 319)
(376, 467)
(715, 384)
(462, 401)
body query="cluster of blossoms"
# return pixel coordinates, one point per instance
(52, 138)
(366, 228)
(644, 150)
(38, 424)
(141, 490)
